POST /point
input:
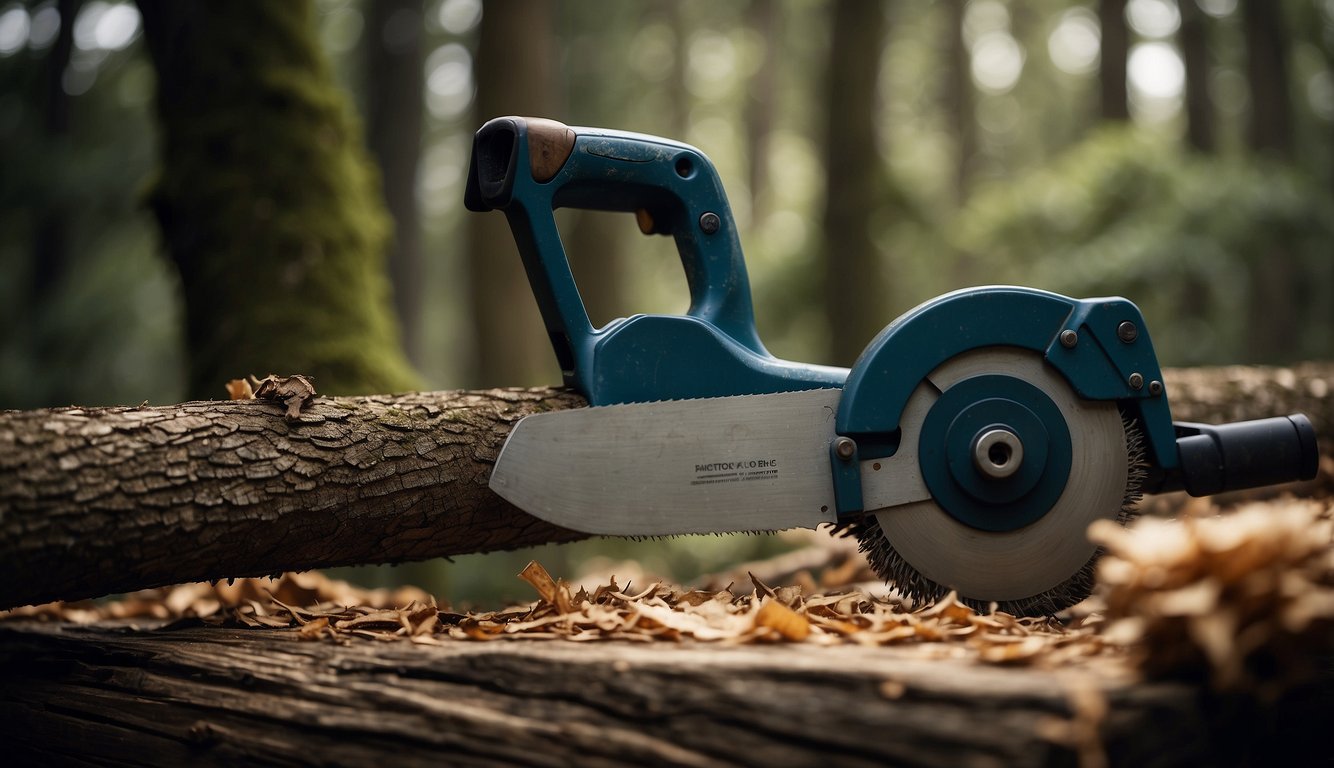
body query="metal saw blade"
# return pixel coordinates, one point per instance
(1040, 557)
(715, 465)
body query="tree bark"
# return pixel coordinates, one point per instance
(205, 696)
(102, 500)
(267, 201)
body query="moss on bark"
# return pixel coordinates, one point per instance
(268, 202)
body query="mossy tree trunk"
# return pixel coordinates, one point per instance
(267, 201)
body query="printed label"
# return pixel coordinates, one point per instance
(741, 470)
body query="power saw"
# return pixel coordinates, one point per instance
(968, 448)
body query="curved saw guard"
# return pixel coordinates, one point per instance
(1100, 346)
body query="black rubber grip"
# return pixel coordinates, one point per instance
(1246, 454)
(491, 172)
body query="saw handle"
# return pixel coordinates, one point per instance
(527, 167)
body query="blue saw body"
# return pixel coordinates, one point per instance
(1101, 347)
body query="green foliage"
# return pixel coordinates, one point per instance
(1187, 237)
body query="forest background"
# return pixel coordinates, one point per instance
(876, 154)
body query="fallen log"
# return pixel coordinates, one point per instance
(103, 500)
(118, 694)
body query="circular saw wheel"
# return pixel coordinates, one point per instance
(1042, 567)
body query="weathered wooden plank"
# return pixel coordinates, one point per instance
(112, 694)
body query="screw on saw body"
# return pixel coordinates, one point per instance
(709, 222)
(1136, 380)
(1155, 388)
(1127, 332)
(1069, 339)
(845, 448)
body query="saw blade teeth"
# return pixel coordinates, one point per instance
(706, 399)
(895, 570)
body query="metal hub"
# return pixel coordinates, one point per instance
(994, 452)
(998, 453)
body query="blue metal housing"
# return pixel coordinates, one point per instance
(714, 350)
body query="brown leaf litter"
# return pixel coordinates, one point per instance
(314, 606)
(1244, 600)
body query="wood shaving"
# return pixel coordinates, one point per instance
(1243, 599)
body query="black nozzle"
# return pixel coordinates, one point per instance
(1246, 454)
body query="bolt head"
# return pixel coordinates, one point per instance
(1127, 332)
(1155, 388)
(1069, 339)
(710, 223)
(1136, 380)
(844, 448)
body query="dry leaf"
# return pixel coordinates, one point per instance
(783, 620)
(293, 391)
(239, 389)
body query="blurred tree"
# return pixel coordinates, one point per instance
(765, 19)
(51, 239)
(854, 179)
(515, 72)
(267, 201)
(1189, 238)
(1270, 128)
(1274, 315)
(1194, 36)
(90, 314)
(597, 45)
(1115, 51)
(677, 120)
(959, 97)
(394, 84)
